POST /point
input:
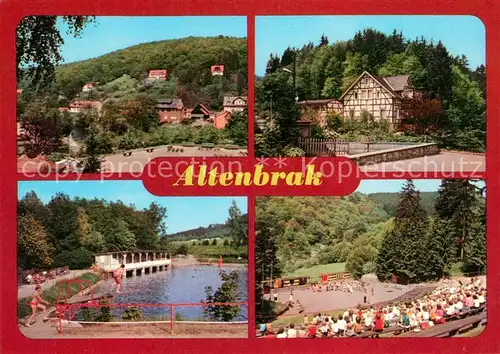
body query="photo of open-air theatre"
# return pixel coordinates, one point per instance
(96, 262)
(377, 263)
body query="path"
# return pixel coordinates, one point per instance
(75, 138)
(27, 290)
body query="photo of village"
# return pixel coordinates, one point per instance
(394, 93)
(100, 94)
(395, 259)
(109, 260)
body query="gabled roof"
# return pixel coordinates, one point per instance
(380, 80)
(169, 103)
(229, 100)
(399, 82)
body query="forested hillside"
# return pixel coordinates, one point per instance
(187, 61)
(300, 232)
(452, 111)
(390, 201)
(209, 232)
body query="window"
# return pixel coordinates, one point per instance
(369, 94)
(355, 95)
(382, 113)
(378, 94)
(363, 94)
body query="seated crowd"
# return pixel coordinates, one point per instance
(347, 286)
(442, 305)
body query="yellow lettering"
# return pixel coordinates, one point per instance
(294, 179)
(244, 178)
(225, 179)
(212, 175)
(276, 176)
(312, 177)
(186, 177)
(260, 179)
(202, 175)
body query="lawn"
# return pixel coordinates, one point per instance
(203, 252)
(317, 270)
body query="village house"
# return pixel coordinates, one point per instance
(200, 111)
(157, 75)
(319, 109)
(170, 110)
(379, 96)
(217, 70)
(235, 103)
(221, 119)
(83, 106)
(88, 87)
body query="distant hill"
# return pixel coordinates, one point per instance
(187, 60)
(389, 201)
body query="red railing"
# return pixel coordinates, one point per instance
(67, 311)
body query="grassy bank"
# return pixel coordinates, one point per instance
(50, 294)
(317, 270)
(210, 253)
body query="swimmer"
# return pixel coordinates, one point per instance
(36, 303)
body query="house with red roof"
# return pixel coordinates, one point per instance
(89, 86)
(217, 70)
(157, 75)
(82, 106)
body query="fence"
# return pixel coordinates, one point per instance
(324, 147)
(67, 311)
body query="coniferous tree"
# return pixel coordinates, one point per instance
(273, 64)
(405, 244)
(323, 41)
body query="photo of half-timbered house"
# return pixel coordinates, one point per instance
(379, 96)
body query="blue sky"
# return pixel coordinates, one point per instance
(460, 34)
(183, 213)
(118, 32)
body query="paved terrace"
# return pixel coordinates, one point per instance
(140, 157)
(445, 161)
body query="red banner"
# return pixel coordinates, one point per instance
(241, 176)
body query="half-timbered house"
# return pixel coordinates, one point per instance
(379, 96)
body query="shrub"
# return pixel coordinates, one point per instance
(182, 249)
(214, 242)
(226, 242)
(132, 314)
(205, 242)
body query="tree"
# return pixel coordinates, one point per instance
(287, 57)
(421, 115)
(237, 128)
(404, 246)
(92, 150)
(182, 249)
(40, 122)
(214, 242)
(441, 250)
(118, 235)
(323, 40)
(238, 225)
(226, 293)
(34, 248)
(332, 88)
(141, 113)
(354, 65)
(38, 41)
(402, 64)
(273, 64)
(458, 204)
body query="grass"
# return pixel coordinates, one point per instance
(317, 270)
(228, 252)
(50, 294)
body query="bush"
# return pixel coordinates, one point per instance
(132, 314)
(214, 242)
(226, 242)
(205, 242)
(182, 249)
(80, 258)
(194, 243)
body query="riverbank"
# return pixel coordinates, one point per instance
(190, 260)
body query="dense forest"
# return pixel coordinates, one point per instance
(68, 232)
(451, 112)
(187, 60)
(389, 201)
(300, 232)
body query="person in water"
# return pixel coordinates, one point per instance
(117, 276)
(36, 303)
